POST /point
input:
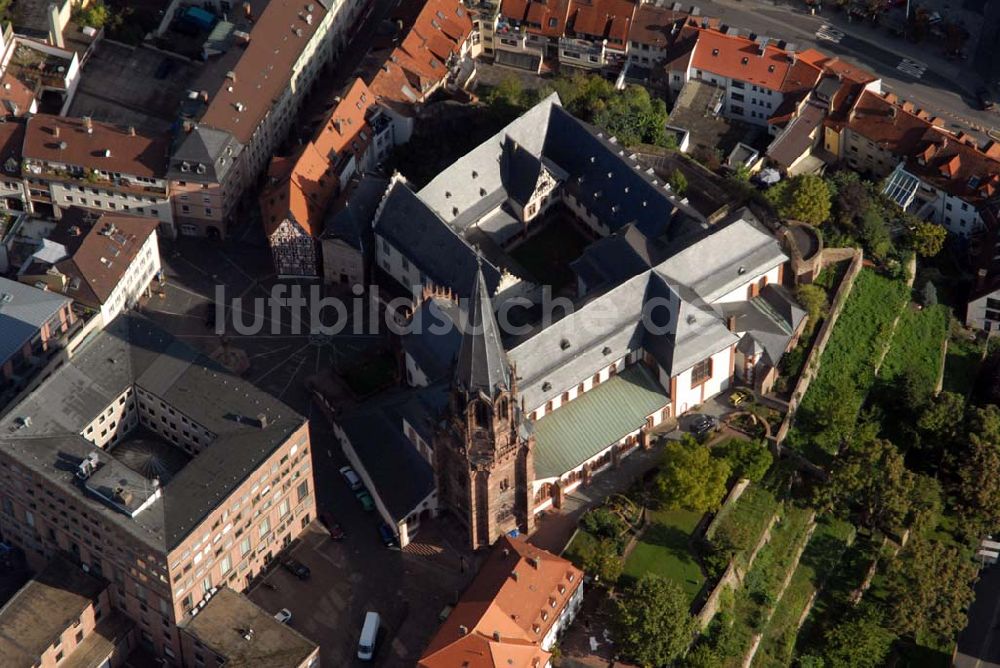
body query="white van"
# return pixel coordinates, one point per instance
(369, 633)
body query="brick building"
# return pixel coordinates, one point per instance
(147, 464)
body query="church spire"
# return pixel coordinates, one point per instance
(482, 363)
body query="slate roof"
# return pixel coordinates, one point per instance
(23, 314)
(401, 476)
(203, 155)
(352, 222)
(579, 430)
(432, 246)
(435, 351)
(482, 363)
(132, 351)
(613, 259)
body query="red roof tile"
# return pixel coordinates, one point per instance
(739, 58)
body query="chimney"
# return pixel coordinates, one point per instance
(731, 323)
(513, 575)
(55, 131)
(262, 420)
(496, 636)
(88, 123)
(55, 31)
(533, 561)
(131, 131)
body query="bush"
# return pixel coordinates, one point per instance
(603, 523)
(747, 459)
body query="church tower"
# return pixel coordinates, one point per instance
(483, 447)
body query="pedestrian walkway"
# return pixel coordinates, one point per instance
(829, 34)
(914, 68)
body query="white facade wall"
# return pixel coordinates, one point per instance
(588, 384)
(393, 262)
(688, 397)
(984, 312)
(566, 616)
(136, 280)
(114, 421)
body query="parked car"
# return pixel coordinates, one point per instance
(352, 478)
(336, 531)
(702, 425)
(366, 499)
(296, 568)
(740, 397)
(387, 534)
(284, 615)
(985, 98)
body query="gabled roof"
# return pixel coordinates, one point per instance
(350, 220)
(106, 147)
(99, 251)
(23, 311)
(892, 126)
(543, 17)
(482, 365)
(506, 611)
(264, 69)
(602, 19)
(407, 223)
(301, 187)
(740, 58)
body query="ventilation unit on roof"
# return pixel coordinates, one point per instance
(87, 467)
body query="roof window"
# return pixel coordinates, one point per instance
(715, 52)
(744, 60)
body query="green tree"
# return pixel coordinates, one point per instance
(875, 233)
(926, 504)
(860, 641)
(941, 421)
(927, 239)
(631, 115)
(930, 294)
(603, 562)
(813, 300)
(832, 415)
(978, 481)
(746, 459)
(703, 656)
(742, 174)
(806, 198)
(94, 15)
(851, 199)
(930, 585)
(691, 477)
(652, 624)
(678, 182)
(871, 477)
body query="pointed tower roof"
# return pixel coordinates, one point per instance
(482, 363)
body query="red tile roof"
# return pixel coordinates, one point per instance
(955, 167)
(602, 19)
(261, 76)
(739, 58)
(890, 126)
(653, 25)
(300, 187)
(505, 613)
(67, 141)
(542, 17)
(420, 62)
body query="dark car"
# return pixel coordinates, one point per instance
(296, 568)
(702, 425)
(985, 98)
(336, 531)
(387, 534)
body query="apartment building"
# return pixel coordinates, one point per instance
(512, 613)
(301, 187)
(79, 162)
(13, 188)
(63, 617)
(232, 131)
(104, 262)
(33, 323)
(147, 464)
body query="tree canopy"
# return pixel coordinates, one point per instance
(806, 198)
(652, 624)
(691, 477)
(927, 239)
(746, 459)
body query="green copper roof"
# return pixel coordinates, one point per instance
(577, 431)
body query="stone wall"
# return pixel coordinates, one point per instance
(732, 578)
(811, 366)
(734, 494)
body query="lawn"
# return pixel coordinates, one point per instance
(547, 253)
(916, 346)
(852, 351)
(821, 558)
(961, 364)
(665, 549)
